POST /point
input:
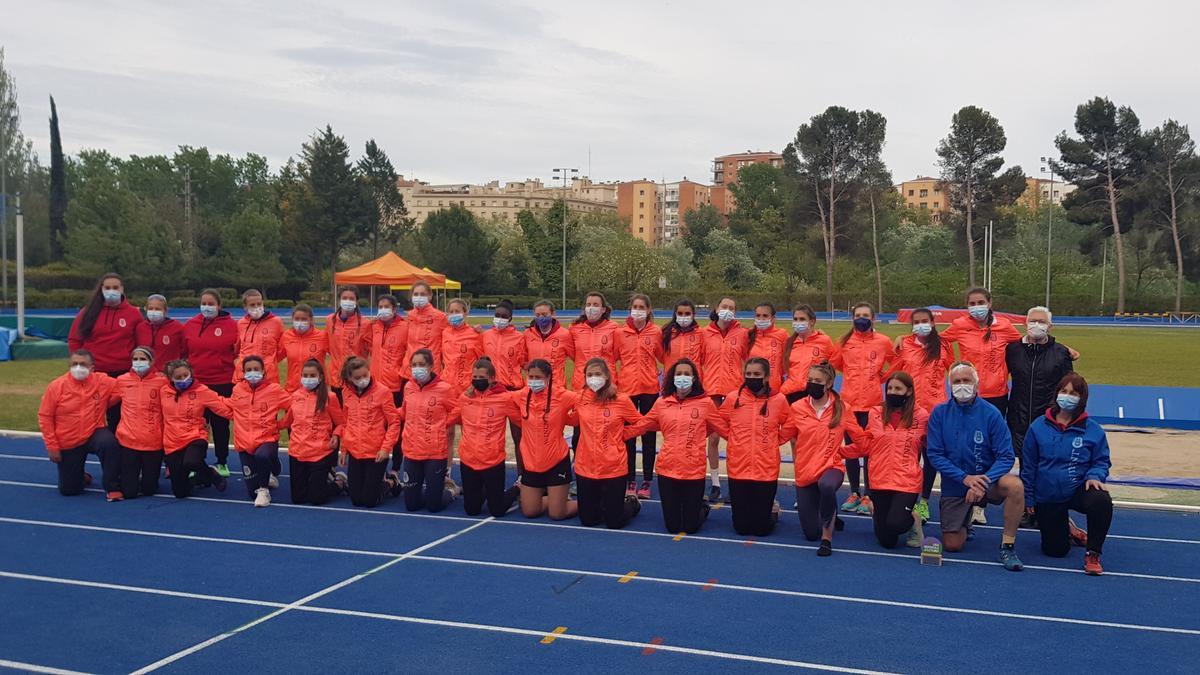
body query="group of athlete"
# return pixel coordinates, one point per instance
(373, 407)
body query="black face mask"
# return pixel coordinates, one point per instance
(480, 383)
(896, 400)
(815, 390)
(754, 384)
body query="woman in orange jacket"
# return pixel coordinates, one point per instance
(485, 408)
(72, 421)
(349, 335)
(926, 357)
(863, 356)
(259, 334)
(388, 335)
(683, 337)
(371, 430)
(756, 416)
(807, 346)
(461, 346)
(185, 403)
(257, 401)
(594, 335)
(726, 346)
(140, 431)
(546, 339)
(820, 425)
(544, 407)
(639, 347)
(505, 346)
(300, 343)
(686, 416)
(430, 408)
(895, 440)
(982, 339)
(769, 342)
(314, 422)
(600, 457)
(426, 323)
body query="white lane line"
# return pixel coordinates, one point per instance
(35, 668)
(172, 658)
(628, 532)
(1125, 537)
(139, 589)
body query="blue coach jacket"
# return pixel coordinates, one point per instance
(964, 440)
(1055, 461)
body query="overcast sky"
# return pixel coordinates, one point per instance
(473, 90)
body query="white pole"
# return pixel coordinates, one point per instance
(1049, 233)
(20, 270)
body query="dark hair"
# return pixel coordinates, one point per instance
(303, 307)
(343, 289)
(172, 366)
(766, 391)
(352, 364)
(933, 341)
(827, 370)
(216, 296)
(633, 297)
(712, 314)
(544, 303)
(857, 305)
(753, 333)
(322, 391)
(507, 306)
(906, 410)
(331, 325)
(610, 392)
(787, 348)
(423, 284)
(254, 357)
(668, 388)
(979, 290)
(603, 301)
(85, 354)
(1080, 386)
(672, 326)
(428, 354)
(389, 298)
(544, 366)
(96, 303)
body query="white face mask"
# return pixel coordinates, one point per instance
(596, 383)
(420, 301)
(385, 314)
(501, 322)
(155, 315)
(638, 314)
(209, 311)
(301, 326)
(348, 306)
(362, 382)
(800, 327)
(978, 312)
(725, 315)
(80, 373)
(683, 321)
(537, 385)
(254, 376)
(922, 329)
(141, 367)
(593, 313)
(1038, 330)
(256, 313)
(310, 383)
(762, 324)
(111, 296)
(963, 392)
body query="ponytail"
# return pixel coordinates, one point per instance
(830, 374)
(321, 391)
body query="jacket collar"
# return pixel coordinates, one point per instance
(1080, 421)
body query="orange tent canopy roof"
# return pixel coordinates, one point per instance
(387, 270)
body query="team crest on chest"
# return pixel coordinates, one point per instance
(1077, 442)
(217, 332)
(166, 339)
(978, 436)
(121, 322)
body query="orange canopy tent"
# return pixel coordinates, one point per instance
(388, 270)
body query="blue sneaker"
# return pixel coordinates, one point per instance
(851, 503)
(1008, 558)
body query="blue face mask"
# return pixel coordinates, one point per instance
(182, 385)
(254, 376)
(978, 312)
(141, 367)
(111, 296)
(537, 385)
(862, 324)
(456, 319)
(310, 383)
(543, 322)
(209, 311)
(420, 374)
(1068, 402)
(922, 329)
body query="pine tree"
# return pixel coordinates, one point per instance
(58, 188)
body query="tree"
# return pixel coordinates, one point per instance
(877, 181)
(451, 242)
(611, 260)
(390, 221)
(1173, 171)
(970, 159)
(58, 188)
(513, 270)
(249, 253)
(828, 156)
(681, 266)
(544, 237)
(728, 263)
(1101, 162)
(697, 223)
(765, 198)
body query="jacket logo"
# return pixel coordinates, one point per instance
(607, 412)
(695, 414)
(603, 339)
(217, 332)
(1077, 442)
(433, 402)
(166, 339)
(978, 436)
(121, 323)
(512, 352)
(191, 396)
(312, 349)
(490, 412)
(872, 355)
(554, 342)
(262, 408)
(153, 394)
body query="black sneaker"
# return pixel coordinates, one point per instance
(825, 549)
(1028, 522)
(714, 493)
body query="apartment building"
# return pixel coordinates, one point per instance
(1039, 191)
(725, 170)
(639, 204)
(927, 194)
(494, 201)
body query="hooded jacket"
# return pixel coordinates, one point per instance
(543, 416)
(863, 359)
(112, 337)
(255, 413)
(966, 440)
(685, 427)
(555, 347)
(598, 340)
(485, 417)
(986, 354)
(259, 337)
(1056, 460)
(141, 425)
(506, 348)
(212, 347)
(754, 437)
(639, 352)
(297, 348)
(165, 338)
(428, 409)
(71, 410)
(309, 430)
(183, 414)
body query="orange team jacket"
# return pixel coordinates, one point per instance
(863, 361)
(183, 414)
(506, 348)
(427, 411)
(461, 348)
(309, 431)
(685, 426)
(601, 451)
(754, 438)
(639, 352)
(543, 416)
(485, 418)
(297, 348)
(255, 413)
(555, 347)
(259, 338)
(685, 343)
(807, 351)
(929, 378)
(895, 451)
(71, 410)
(724, 355)
(425, 326)
(349, 337)
(817, 446)
(141, 422)
(769, 344)
(389, 352)
(372, 421)
(593, 341)
(986, 355)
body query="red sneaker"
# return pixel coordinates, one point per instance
(116, 496)
(1091, 564)
(1078, 535)
(643, 491)
(631, 489)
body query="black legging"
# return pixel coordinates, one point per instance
(602, 500)
(683, 504)
(480, 485)
(310, 483)
(112, 417)
(366, 481)
(398, 449)
(929, 475)
(893, 515)
(1052, 521)
(751, 502)
(852, 464)
(220, 425)
(643, 403)
(139, 471)
(187, 461)
(72, 479)
(817, 503)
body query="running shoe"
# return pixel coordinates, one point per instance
(914, 539)
(1078, 535)
(775, 509)
(1091, 564)
(574, 492)
(394, 486)
(970, 532)
(631, 488)
(851, 503)
(922, 509)
(978, 515)
(272, 482)
(1008, 558)
(865, 507)
(223, 469)
(714, 493)
(340, 479)
(643, 491)
(218, 480)
(632, 500)
(838, 524)
(262, 497)
(115, 496)
(1028, 521)
(825, 549)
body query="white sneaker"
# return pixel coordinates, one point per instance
(262, 497)
(272, 482)
(978, 516)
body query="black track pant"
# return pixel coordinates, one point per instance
(602, 500)
(102, 444)
(139, 471)
(893, 515)
(366, 481)
(1052, 521)
(487, 485)
(187, 461)
(424, 483)
(751, 502)
(683, 504)
(310, 483)
(220, 425)
(398, 449)
(643, 403)
(817, 503)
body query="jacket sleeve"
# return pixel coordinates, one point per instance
(835, 356)
(860, 441)
(939, 454)
(644, 425)
(1101, 461)
(285, 421)
(1030, 452)
(391, 415)
(46, 412)
(336, 414)
(1001, 439)
(218, 405)
(717, 423)
(453, 411)
(862, 446)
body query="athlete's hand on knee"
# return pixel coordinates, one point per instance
(55, 456)
(1094, 484)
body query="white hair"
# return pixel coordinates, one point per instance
(1040, 308)
(965, 365)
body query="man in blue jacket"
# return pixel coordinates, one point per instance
(970, 445)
